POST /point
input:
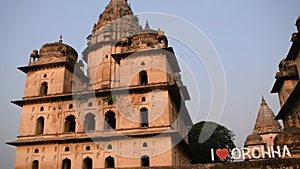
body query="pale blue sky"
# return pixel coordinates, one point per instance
(251, 37)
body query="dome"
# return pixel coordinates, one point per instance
(291, 138)
(282, 64)
(57, 51)
(253, 139)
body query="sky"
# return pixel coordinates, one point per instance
(249, 37)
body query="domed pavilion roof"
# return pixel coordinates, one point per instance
(57, 51)
(254, 139)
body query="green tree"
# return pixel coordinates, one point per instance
(218, 137)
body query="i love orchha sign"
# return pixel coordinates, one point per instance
(259, 152)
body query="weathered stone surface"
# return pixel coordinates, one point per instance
(127, 111)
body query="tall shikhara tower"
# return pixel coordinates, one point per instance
(127, 111)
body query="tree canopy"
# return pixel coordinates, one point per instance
(200, 149)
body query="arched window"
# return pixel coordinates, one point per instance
(66, 164)
(145, 144)
(36, 150)
(35, 164)
(144, 117)
(87, 163)
(44, 89)
(143, 78)
(67, 149)
(109, 162)
(109, 147)
(143, 99)
(70, 124)
(145, 161)
(63, 53)
(88, 148)
(110, 118)
(73, 83)
(40, 126)
(89, 122)
(70, 106)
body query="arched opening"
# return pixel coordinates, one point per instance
(110, 119)
(40, 126)
(70, 124)
(35, 164)
(63, 53)
(89, 122)
(145, 161)
(109, 162)
(66, 164)
(144, 117)
(44, 89)
(145, 144)
(109, 147)
(88, 148)
(87, 163)
(143, 78)
(36, 150)
(67, 149)
(73, 84)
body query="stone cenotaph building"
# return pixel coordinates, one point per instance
(127, 110)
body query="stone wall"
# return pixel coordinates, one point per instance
(261, 164)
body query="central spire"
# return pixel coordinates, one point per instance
(116, 22)
(116, 9)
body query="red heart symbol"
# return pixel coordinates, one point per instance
(222, 153)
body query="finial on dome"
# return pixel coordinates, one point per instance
(263, 101)
(147, 25)
(60, 39)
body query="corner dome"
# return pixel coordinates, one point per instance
(57, 51)
(254, 139)
(282, 63)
